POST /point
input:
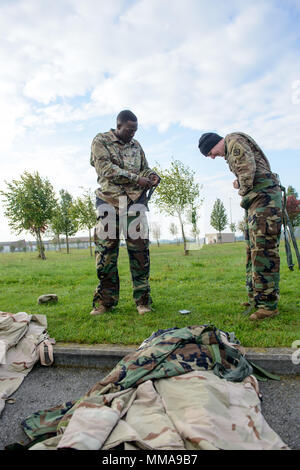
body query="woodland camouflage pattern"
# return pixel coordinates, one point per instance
(262, 234)
(168, 394)
(262, 200)
(248, 162)
(107, 251)
(118, 166)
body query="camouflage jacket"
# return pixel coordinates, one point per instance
(166, 395)
(118, 166)
(21, 337)
(248, 162)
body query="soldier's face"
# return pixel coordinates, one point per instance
(127, 130)
(217, 150)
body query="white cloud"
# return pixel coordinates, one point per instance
(225, 77)
(205, 65)
(172, 61)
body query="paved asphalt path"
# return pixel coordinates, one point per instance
(46, 387)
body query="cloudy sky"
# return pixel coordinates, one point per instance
(67, 67)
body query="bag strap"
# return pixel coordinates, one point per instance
(45, 352)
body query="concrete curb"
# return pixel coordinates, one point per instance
(106, 356)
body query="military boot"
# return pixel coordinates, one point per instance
(263, 313)
(100, 310)
(143, 309)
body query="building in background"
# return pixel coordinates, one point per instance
(50, 245)
(211, 238)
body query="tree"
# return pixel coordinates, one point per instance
(66, 207)
(194, 216)
(293, 210)
(155, 229)
(293, 206)
(233, 227)
(177, 192)
(241, 226)
(57, 225)
(292, 192)
(174, 230)
(29, 205)
(218, 218)
(85, 214)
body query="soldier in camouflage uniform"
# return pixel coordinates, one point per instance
(124, 177)
(262, 201)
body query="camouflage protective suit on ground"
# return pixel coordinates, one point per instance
(22, 338)
(262, 200)
(119, 166)
(168, 394)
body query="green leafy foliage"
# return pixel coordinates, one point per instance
(29, 205)
(177, 192)
(66, 217)
(85, 214)
(293, 206)
(218, 218)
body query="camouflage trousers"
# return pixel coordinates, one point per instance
(107, 252)
(263, 228)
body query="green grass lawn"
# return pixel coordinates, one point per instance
(210, 282)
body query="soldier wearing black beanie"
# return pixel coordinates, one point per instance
(261, 196)
(207, 141)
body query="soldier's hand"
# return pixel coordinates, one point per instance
(155, 179)
(144, 182)
(236, 184)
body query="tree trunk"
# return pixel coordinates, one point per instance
(67, 242)
(40, 245)
(90, 238)
(183, 235)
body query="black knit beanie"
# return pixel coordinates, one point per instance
(207, 141)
